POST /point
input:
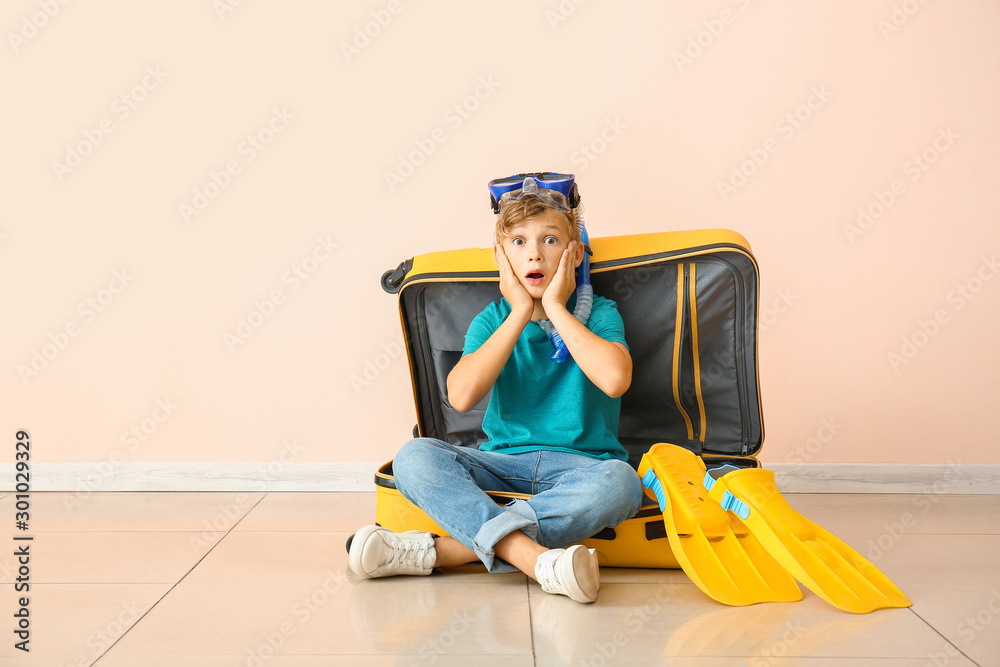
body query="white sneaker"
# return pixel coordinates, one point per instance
(572, 572)
(378, 552)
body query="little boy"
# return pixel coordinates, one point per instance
(551, 427)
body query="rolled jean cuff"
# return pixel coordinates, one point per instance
(517, 515)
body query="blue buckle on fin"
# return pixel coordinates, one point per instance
(651, 481)
(709, 481)
(733, 504)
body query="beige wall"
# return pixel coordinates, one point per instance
(878, 340)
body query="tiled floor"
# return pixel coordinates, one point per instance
(247, 580)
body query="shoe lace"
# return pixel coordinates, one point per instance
(545, 573)
(408, 557)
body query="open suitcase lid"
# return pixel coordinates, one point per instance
(698, 389)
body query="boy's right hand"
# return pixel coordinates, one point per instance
(510, 288)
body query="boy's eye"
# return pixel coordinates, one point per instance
(551, 240)
(518, 241)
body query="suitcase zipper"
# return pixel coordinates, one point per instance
(678, 339)
(695, 352)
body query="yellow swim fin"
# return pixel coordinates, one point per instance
(819, 560)
(712, 546)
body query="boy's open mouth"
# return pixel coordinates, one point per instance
(535, 277)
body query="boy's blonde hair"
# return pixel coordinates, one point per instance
(516, 211)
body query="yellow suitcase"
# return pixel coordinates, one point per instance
(689, 304)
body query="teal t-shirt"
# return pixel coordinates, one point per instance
(540, 404)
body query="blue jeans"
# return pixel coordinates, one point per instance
(573, 496)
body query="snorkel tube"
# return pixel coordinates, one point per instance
(584, 299)
(535, 184)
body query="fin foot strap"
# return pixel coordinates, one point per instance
(651, 482)
(733, 504)
(729, 502)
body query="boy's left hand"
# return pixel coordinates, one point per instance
(564, 281)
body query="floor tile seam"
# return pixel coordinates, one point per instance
(457, 579)
(941, 635)
(679, 582)
(531, 623)
(788, 656)
(192, 530)
(167, 582)
(107, 583)
(747, 657)
(346, 531)
(441, 583)
(328, 655)
(477, 583)
(178, 582)
(162, 492)
(91, 532)
(961, 534)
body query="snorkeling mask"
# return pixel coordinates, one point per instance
(514, 187)
(557, 191)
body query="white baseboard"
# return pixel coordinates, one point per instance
(74, 476)
(920, 478)
(195, 476)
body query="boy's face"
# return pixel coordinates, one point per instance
(534, 247)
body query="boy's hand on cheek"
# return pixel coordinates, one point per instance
(510, 288)
(563, 283)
